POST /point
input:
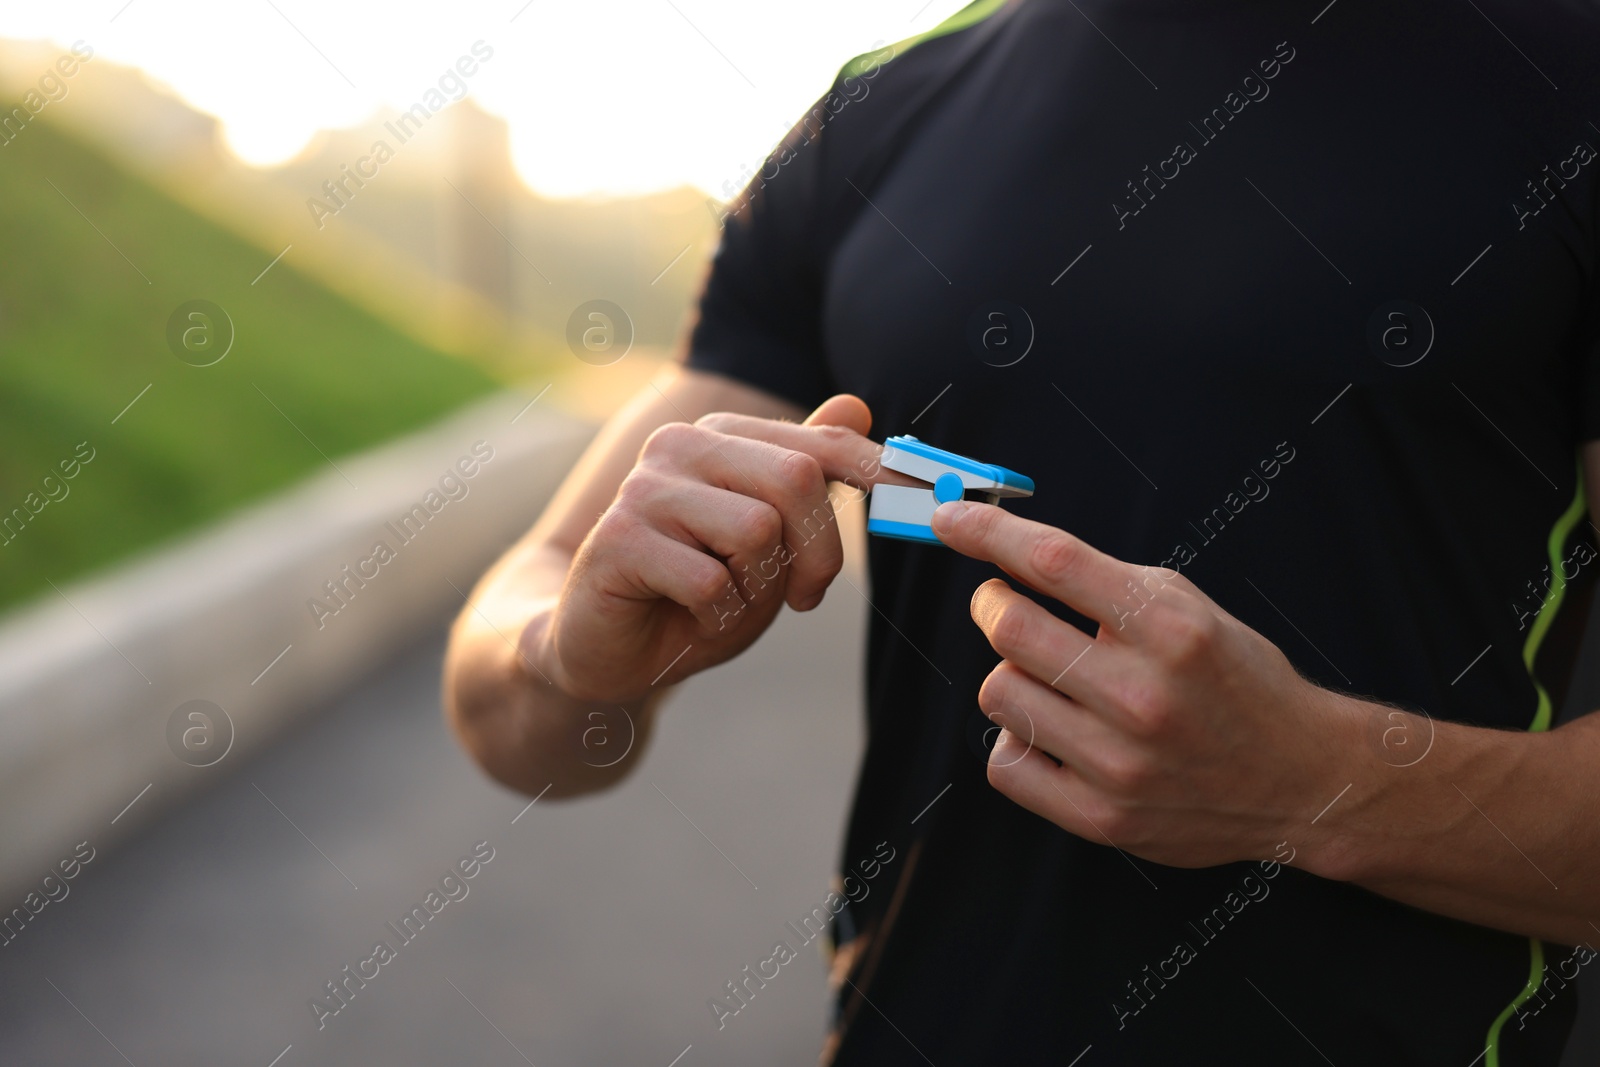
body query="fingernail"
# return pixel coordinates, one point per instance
(945, 515)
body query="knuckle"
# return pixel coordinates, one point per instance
(1055, 557)
(994, 695)
(799, 474)
(1149, 710)
(1147, 583)
(668, 440)
(979, 523)
(639, 487)
(1008, 752)
(1127, 773)
(618, 523)
(716, 421)
(835, 435)
(1010, 629)
(1178, 581)
(825, 567)
(759, 525)
(711, 585)
(1188, 634)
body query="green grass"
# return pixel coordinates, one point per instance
(82, 332)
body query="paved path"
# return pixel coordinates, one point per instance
(595, 936)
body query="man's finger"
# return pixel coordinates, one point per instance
(1055, 652)
(1027, 775)
(1064, 729)
(657, 565)
(1042, 557)
(841, 448)
(780, 477)
(746, 532)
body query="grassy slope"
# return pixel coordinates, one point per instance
(81, 333)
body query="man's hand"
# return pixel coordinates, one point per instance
(1182, 735)
(718, 524)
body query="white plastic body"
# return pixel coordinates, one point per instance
(902, 503)
(928, 470)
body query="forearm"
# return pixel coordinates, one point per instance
(507, 711)
(1495, 827)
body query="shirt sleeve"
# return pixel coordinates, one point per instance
(759, 315)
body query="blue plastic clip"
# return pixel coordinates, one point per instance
(905, 512)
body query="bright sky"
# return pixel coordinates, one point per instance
(602, 96)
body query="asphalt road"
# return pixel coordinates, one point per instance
(596, 934)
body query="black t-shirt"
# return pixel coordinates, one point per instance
(1300, 299)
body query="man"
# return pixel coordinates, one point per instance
(1291, 313)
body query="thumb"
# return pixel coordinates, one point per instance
(842, 409)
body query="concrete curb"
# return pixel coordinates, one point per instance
(89, 679)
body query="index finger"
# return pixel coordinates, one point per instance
(1046, 559)
(844, 455)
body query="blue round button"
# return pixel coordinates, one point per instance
(948, 488)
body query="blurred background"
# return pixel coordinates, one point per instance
(278, 275)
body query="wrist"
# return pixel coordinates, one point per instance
(1410, 778)
(540, 663)
(1339, 777)
(536, 659)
